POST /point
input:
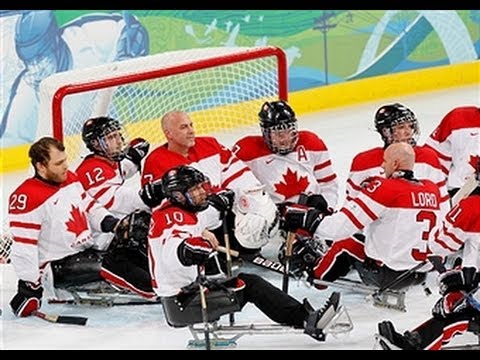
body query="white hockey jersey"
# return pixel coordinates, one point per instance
(308, 168)
(369, 163)
(105, 181)
(49, 222)
(169, 226)
(456, 140)
(217, 162)
(398, 216)
(461, 226)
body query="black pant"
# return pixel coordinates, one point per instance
(273, 302)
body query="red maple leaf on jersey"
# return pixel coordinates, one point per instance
(292, 184)
(474, 161)
(77, 222)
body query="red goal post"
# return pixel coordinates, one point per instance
(221, 88)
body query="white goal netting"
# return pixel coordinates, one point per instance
(221, 88)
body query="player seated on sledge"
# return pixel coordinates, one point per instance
(396, 214)
(52, 218)
(179, 245)
(459, 308)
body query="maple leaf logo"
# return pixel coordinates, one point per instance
(77, 223)
(474, 161)
(292, 184)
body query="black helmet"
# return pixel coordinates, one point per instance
(177, 182)
(278, 115)
(94, 132)
(390, 115)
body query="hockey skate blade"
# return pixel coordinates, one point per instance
(382, 343)
(341, 323)
(215, 344)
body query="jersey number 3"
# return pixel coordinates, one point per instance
(431, 219)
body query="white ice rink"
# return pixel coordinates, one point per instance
(346, 131)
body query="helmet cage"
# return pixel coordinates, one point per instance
(278, 116)
(96, 139)
(178, 184)
(273, 145)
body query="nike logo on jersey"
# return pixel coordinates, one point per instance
(268, 161)
(55, 202)
(474, 133)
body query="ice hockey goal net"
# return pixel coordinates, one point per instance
(221, 88)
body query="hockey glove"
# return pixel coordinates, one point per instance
(132, 231)
(452, 303)
(305, 253)
(27, 299)
(222, 201)
(137, 150)
(316, 201)
(456, 279)
(194, 251)
(152, 193)
(301, 217)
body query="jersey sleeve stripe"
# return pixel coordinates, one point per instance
(353, 185)
(25, 240)
(352, 218)
(365, 208)
(235, 176)
(327, 179)
(24, 225)
(452, 236)
(322, 165)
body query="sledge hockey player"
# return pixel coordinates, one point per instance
(397, 123)
(289, 162)
(103, 173)
(52, 218)
(397, 212)
(458, 310)
(456, 140)
(254, 216)
(180, 245)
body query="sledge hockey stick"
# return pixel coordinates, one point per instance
(90, 302)
(288, 257)
(228, 254)
(72, 320)
(203, 302)
(467, 188)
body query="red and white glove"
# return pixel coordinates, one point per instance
(451, 303)
(27, 299)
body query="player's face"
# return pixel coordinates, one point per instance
(402, 132)
(282, 140)
(181, 133)
(114, 143)
(199, 193)
(56, 168)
